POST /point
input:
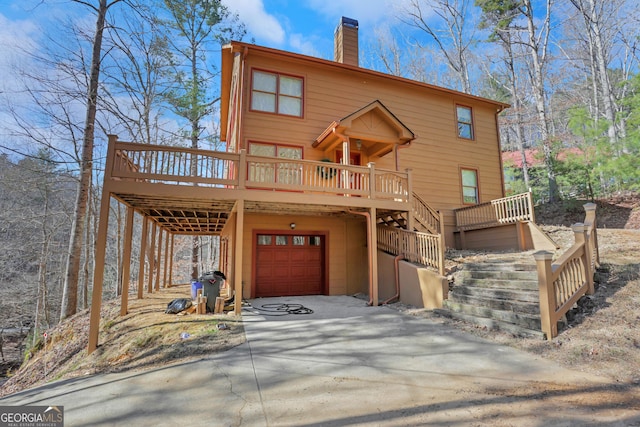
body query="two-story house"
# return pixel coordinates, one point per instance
(332, 174)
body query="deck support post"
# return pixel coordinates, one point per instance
(159, 258)
(143, 254)
(172, 246)
(373, 256)
(151, 254)
(126, 262)
(101, 249)
(237, 259)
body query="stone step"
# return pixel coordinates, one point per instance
(493, 324)
(496, 303)
(522, 285)
(523, 320)
(495, 293)
(530, 276)
(507, 265)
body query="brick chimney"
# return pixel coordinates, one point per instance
(346, 42)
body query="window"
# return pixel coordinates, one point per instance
(264, 240)
(465, 122)
(276, 93)
(469, 186)
(287, 172)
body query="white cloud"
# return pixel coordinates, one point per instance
(260, 24)
(299, 43)
(367, 13)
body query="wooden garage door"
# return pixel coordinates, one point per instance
(288, 265)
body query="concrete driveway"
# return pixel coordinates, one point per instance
(344, 364)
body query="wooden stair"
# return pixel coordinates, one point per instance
(426, 219)
(498, 295)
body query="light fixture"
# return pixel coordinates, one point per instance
(292, 225)
(358, 144)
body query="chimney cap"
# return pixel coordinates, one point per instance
(349, 22)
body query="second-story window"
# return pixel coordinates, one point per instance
(276, 93)
(465, 122)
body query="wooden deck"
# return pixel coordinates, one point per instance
(189, 191)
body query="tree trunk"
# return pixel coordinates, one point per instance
(70, 289)
(539, 94)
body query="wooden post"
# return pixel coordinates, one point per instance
(373, 255)
(590, 219)
(126, 260)
(237, 258)
(442, 243)
(166, 260)
(171, 260)
(143, 254)
(101, 247)
(151, 253)
(219, 306)
(242, 170)
(581, 236)
(159, 258)
(547, 294)
(372, 180)
(201, 303)
(532, 213)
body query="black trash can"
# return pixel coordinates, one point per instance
(211, 283)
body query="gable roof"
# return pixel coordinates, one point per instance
(374, 123)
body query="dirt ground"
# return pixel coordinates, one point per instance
(145, 337)
(603, 336)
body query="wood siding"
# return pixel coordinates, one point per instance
(345, 241)
(435, 156)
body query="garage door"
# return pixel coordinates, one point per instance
(289, 265)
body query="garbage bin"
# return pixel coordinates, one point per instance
(195, 285)
(211, 283)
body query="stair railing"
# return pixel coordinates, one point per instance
(414, 246)
(563, 282)
(426, 215)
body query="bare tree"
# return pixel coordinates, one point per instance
(195, 25)
(499, 16)
(449, 29)
(70, 289)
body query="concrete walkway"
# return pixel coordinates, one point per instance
(345, 364)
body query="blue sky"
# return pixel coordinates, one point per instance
(307, 26)
(302, 26)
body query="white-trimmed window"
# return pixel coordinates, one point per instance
(470, 195)
(276, 93)
(465, 122)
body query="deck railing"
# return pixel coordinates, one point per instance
(507, 210)
(187, 166)
(563, 282)
(421, 248)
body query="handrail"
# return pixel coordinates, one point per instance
(414, 246)
(426, 215)
(188, 166)
(564, 281)
(507, 210)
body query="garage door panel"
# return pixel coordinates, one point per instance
(294, 268)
